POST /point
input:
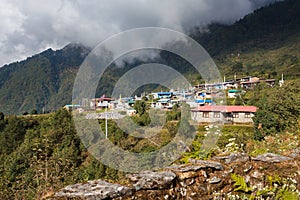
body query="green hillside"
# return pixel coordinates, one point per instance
(44, 80)
(41, 154)
(268, 41)
(264, 43)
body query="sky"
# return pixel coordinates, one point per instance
(31, 26)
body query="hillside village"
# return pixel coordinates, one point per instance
(207, 101)
(242, 133)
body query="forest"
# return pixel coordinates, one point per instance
(40, 154)
(264, 43)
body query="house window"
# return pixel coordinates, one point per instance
(247, 115)
(194, 114)
(205, 114)
(217, 115)
(235, 115)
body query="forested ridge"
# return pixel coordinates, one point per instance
(40, 154)
(264, 43)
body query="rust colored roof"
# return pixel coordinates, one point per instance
(209, 108)
(247, 82)
(103, 99)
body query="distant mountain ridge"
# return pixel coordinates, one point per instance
(41, 81)
(267, 40)
(267, 27)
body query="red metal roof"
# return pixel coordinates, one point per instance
(209, 108)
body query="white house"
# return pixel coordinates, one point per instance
(227, 114)
(103, 102)
(234, 93)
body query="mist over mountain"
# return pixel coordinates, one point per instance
(267, 40)
(30, 27)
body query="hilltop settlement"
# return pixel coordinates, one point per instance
(208, 102)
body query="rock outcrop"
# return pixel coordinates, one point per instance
(270, 157)
(91, 190)
(234, 157)
(148, 180)
(197, 180)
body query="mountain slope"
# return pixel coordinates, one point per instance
(43, 80)
(267, 40)
(264, 43)
(268, 27)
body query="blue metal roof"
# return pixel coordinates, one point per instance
(234, 91)
(165, 93)
(203, 101)
(131, 101)
(73, 105)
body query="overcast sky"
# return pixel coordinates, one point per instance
(31, 26)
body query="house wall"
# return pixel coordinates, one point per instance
(242, 118)
(198, 116)
(231, 95)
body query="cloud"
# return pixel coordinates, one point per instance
(28, 27)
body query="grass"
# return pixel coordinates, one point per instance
(264, 62)
(240, 138)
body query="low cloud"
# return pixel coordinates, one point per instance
(28, 27)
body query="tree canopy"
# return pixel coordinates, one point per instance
(279, 109)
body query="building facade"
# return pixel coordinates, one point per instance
(227, 114)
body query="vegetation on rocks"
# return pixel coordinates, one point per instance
(41, 154)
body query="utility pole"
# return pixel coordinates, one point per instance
(106, 123)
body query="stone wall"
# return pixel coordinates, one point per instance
(197, 180)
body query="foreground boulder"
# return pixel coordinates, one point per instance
(234, 157)
(271, 157)
(207, 164)
(92, 190)
(152, 180)
(197, 180)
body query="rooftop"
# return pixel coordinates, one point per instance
(217, 108)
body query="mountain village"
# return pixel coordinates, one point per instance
(207, 102)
